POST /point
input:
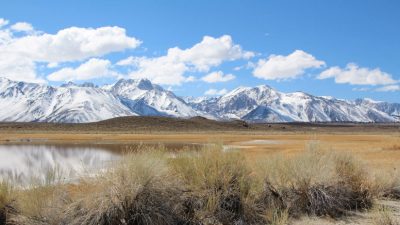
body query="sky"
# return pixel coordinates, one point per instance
(346, 49)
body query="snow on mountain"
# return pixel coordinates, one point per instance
(265, 104)
(39, 102)
(145, 98)
(86, 102)
(392, 109)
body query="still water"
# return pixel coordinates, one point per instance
(26, 164)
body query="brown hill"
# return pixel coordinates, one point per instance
(151, 124)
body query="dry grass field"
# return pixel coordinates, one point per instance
(379, 150)
(300, 174)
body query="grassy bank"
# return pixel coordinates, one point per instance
(211, 186)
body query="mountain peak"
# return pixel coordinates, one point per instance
(143, 83)
(264, 87)
(87, 102)
(72, 84)
(3, 79)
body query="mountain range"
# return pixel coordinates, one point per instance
(73, 103)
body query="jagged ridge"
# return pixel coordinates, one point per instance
(72, 103)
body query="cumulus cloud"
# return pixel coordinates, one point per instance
(3, 22)
(190, 79)
(19, 55)
(72, 44)
(161, 70)
(210, 52)
(355, 75)
(91, 69)
(279, 67)
(170, 69)
(361, 89)
(216, 92)
(19, 68)
(388, 88)
(218, 76)
(22, 27)
(127, 61)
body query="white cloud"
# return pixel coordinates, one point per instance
(22, 26)
(18, 68)
(355, 75)
(210, 52)
(217, 76)
(72, 44)
(20, 54)
(91, 69)
(126, 62)
(361, 89)
(216, 92)
(171, 68)
(388, 88)
(278, 67)
(190, 79)
(161, 70)
(3, 22)
(52, 65)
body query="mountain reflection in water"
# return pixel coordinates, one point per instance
(24, 164)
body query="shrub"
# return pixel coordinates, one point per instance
(219, 185)
(315, 182)
(138, 190)
(384, 216)
(5, 201)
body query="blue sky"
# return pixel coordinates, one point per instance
(346, 49)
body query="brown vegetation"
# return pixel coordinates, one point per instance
(212, 186)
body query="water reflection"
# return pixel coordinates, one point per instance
(42, 163)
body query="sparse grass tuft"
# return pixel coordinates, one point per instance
(384, 216)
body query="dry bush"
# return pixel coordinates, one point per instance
(387, 184)
(277, 217)
(42, 201)
(6, 199)
(384, 216)
(315, 182)
(211, 186)
(218, 186)
(138, 190)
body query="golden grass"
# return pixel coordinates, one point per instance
(384, 216)
(219, 181)
(6, 197)
(378, 150)
(211, 186)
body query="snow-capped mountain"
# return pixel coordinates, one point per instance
(21, 101)
(26, 102)
(393, 109)
(265, 104)
(145, 98)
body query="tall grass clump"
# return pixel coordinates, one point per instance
(5, 201)
(42, 200)
(384, 216)
(138, 190)
(218, 186)
(387, 184)
(315, 182)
